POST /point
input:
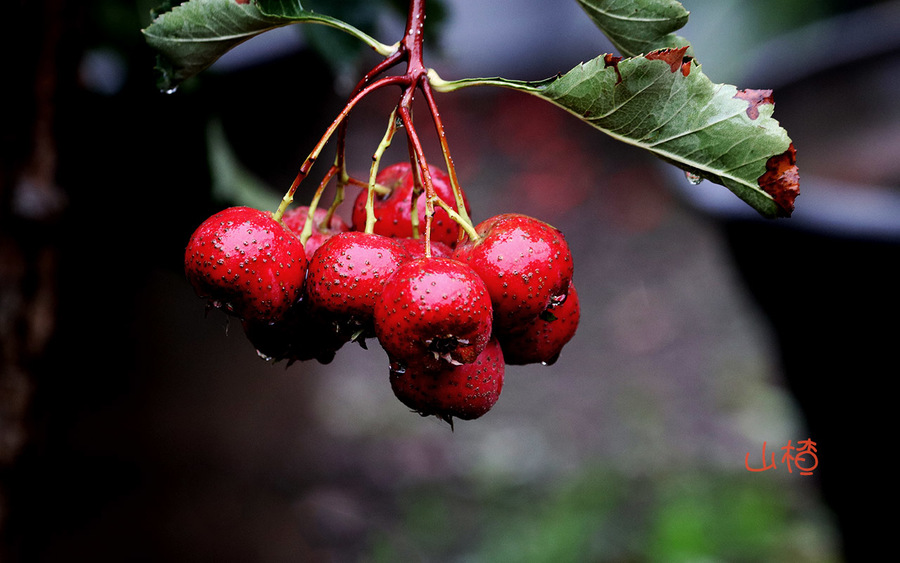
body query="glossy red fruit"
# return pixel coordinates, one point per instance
(434, 311)
(526, 264)
(394, 210)
(347, 273)
(416, 248)
(467, 391)
(295, 219)
(246, 263)
(541, 340)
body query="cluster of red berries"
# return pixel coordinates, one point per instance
(449, 321)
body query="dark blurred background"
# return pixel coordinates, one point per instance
(135, 427)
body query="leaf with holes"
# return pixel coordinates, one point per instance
(663, 103)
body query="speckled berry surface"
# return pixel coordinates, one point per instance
(416, 247)
(526, 264)
(435, 311)
(466, 392)
(542, 340)
(246, 263)
(347, 273)
(393, 211)
(296, 217)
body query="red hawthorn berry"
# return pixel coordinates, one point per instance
(525, 263)
(541, 340)
(465, 391)
(295, 219)
(347, 273)
(393, 211)
(433, 311)
(416, 247)
(246, 263)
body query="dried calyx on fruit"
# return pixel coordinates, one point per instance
(434, 311)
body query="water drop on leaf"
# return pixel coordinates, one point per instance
(693, 178)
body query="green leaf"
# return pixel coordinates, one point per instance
(193, 35)
(668, 107)
(636, 27)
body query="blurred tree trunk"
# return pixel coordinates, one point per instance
(30, 206)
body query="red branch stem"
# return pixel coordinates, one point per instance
(313, 156)
(409, 49)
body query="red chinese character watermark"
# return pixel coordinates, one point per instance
(803, 457)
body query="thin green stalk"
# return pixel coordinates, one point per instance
(465, 224)
(462, 213)
(373, 172)
(314, 203)
(314, 155)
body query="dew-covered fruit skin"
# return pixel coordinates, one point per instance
(465, 391)
(526, 264)
(246, 263)
(415, 247)
(542, 340)
(347, 273)
(434, 311)
(295, 219)
(393, 211)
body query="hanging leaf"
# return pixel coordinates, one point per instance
(660, 101)
(636, 27)
(193, 35)
(663, 103)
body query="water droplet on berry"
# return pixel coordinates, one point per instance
(550, 361)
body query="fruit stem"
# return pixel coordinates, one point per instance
(464, 223)
(373, 172)
(463, 215)
(416, 77)
(338, 194)
(415, 193)
(311, 159)
(310, 217)
(419, 76)
(416, 74)
(394, 59)
(412, 39)
(420, 164)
